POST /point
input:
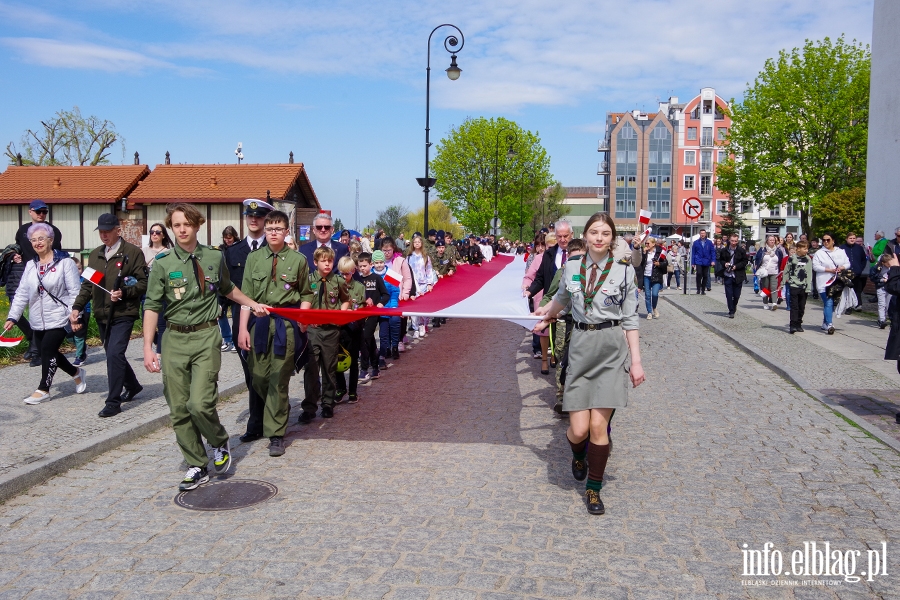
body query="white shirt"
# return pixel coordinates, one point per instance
(259, 241)
(111, 250)
(559, 259)
(321, 245)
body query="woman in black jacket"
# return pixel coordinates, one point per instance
(652, 269)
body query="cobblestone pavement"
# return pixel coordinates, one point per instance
(70, 418)
(451, 479)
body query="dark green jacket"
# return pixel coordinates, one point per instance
(135, 266)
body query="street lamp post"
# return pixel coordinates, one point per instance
(511, 138)
(453, 72)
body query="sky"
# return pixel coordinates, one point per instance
(342, 83)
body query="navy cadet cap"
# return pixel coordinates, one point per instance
(432, 232)
(257, 208)
(440, 244)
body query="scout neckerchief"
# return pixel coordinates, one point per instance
(198, 270)
(590, 290)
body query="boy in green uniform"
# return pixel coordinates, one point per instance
(800, 277)
(444, 262)
(324, 340)
(187, 278)
(279, 276)
(351, 333)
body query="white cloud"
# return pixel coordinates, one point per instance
(517, 52)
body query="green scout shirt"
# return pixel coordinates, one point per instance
(174, 279)
(357, 293)
(328, 293)
(443, 264)
(288, 287)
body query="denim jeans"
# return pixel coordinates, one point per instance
(225, 329)
(388, 334)
(827, 308)
(651, 294)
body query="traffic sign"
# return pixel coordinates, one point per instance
(693, 208)
(495, 223)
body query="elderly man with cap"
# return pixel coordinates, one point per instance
(255, 212)
(323, 229)
(38, 211)
(124, 273)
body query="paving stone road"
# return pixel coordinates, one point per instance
(454, 482)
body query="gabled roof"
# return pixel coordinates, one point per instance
(224, 184)
(69, 185)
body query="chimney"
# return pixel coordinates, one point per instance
(268, 197)
(137, 158)
(19, 159)
(291, 158)
(57, 183)
(168, 158)
(213, 182)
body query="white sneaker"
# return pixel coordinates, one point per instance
(401, 347)
(767, 307)
(416, 334)
(37, 397)
(80, 381)
(655, 314)
(422, 333)
(649, 316)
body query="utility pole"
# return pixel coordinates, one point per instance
(357, 205)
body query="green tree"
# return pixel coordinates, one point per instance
(338, 225)
(840, 213)
(474, 163)
(392, 219)
(800, 132)
(733, 222)
(68, 139)
(439, 217)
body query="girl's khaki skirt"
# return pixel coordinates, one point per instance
(597, 375)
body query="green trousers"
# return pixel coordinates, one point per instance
(190, 367)
(560, 341)
(271, 380)
(324, 344)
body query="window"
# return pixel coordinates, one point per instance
(666, 156)
(632, 156)
(721, 207)
(775, 212)
(722, 134)
(620, 156)
(707, 139)
(620, 181)
(721, 157)
(706, 160)
(632, 181)
(705, 185)
(692, 133)
(651, 181)
(660, 133)
(746, 206)
(792, 210)
(666, 181)
(707, 107)
(627, 132)
(653, 156)
(690, 157)
(689, 182)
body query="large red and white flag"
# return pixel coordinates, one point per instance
(492, 291)
(645, 217)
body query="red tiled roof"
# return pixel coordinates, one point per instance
(223, 183)
(69, 185)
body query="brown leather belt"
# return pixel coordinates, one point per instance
(595, 326)
(191, 328)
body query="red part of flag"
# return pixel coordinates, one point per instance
(645, 217)
(91, 275)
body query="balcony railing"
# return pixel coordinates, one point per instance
(706, 140)
(603, 168)
(603, 146)
(602, 192)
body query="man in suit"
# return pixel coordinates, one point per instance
(255, 212)
(323, 229)
(554, 258)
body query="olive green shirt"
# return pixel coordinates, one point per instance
(444, 264)
(328, 293)
(357, 293)
(174, 279)
(288, 287)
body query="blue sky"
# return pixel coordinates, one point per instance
(342, 83)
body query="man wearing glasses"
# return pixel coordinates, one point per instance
(38, 212)
(323, 229)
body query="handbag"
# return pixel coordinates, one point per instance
(842, 280)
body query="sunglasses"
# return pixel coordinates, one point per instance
(155, 232)
(42, 211)
(826, 239)
(323, 227)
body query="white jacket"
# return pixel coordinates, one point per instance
(44, 313)
(822, 261)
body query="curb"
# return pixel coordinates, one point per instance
(19, 480)
(794, 378)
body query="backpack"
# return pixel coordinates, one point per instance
(6, 261)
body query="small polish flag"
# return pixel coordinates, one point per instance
(6, 342)
(91, 275)
(645, 234)
(645, 217)
(393, 277)
(765, 293)
(662, 254)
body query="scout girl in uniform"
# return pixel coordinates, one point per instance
(603, 299)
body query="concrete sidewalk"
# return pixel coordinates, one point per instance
(846, 371)
(40, 441)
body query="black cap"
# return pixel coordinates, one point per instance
(417, 234)
(107, 222)
(441, 233)
(439, 244)
(432, 232)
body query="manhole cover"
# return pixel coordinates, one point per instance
(226, 494)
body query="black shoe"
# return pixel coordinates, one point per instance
(436, 323)
(579, 469)
(194, 478)
(594, 503)
(545, 371)
(250, 437)
(327, 412)
(339, 396)
(129, 395)
(109, 411)
(395, 351)
(276, 446)
(792, 330)
(882, 324)
(35, 362)
(730, 315)
(799, 328)
(557, 408)
(552, 362)
(352, 399)
(702, 294)
(306, 418)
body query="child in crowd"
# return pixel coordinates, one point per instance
(800, 275)
(324, 340)
(376, 295)
(879, 277)
(389, 332)
(80, 337)
(423, 277)
(351, 333)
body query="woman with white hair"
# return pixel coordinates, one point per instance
(48, 287)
